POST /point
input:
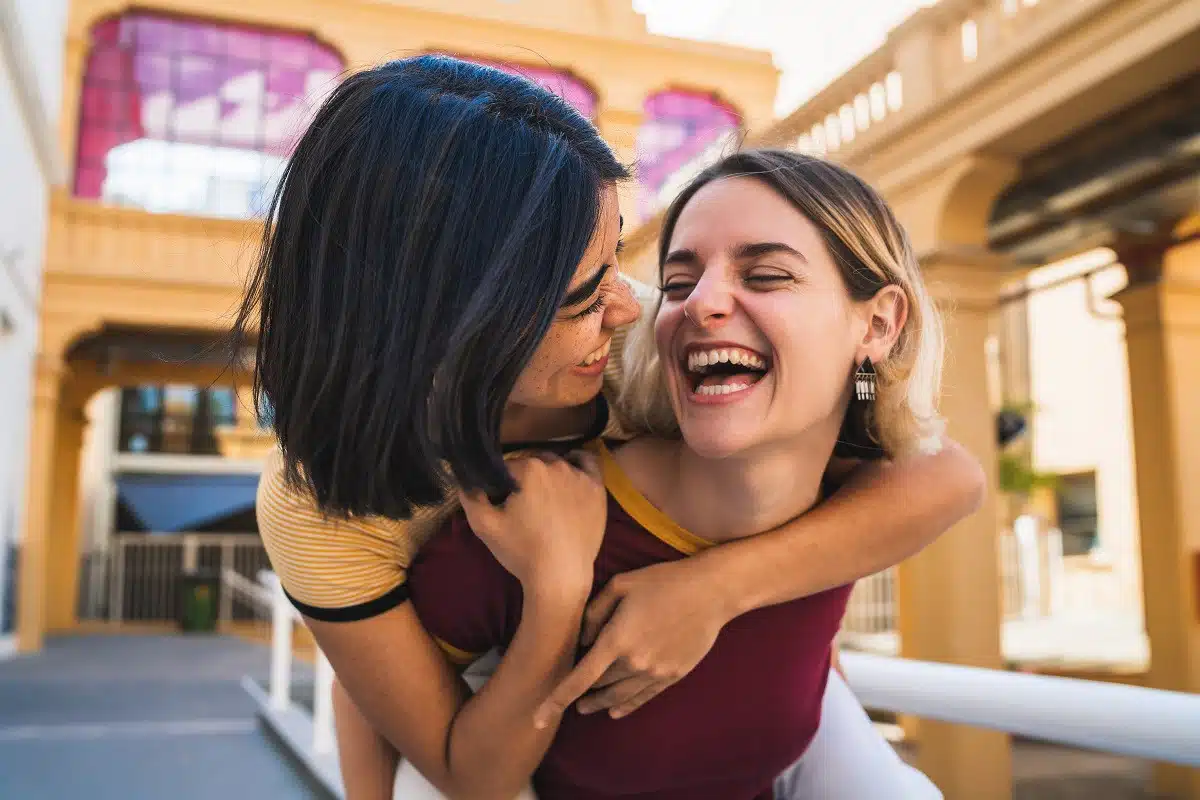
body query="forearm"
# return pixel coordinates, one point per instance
(368, 761)
(884, 514)
(494, 747)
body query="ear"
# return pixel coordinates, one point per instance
(886, 314)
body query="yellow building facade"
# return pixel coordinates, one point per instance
(952, 117)
(144, 96)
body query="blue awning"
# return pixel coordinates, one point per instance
(167, 503)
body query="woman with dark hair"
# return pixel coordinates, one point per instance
(439, 287)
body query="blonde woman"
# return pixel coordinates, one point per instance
(793, 320)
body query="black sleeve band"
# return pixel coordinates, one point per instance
(371, 608)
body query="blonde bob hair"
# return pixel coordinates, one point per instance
(871, 250)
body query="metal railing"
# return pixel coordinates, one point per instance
(1031, 568)
(137, 578)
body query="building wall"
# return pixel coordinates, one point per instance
(1079, 377)
(30, 88)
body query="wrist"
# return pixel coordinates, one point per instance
(737, 586)
(558, 583)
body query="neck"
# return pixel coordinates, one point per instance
(752, 492)
(532, 424)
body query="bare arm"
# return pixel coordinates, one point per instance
(651, 627)
(368, 761)
(483, 746)
(486, 745)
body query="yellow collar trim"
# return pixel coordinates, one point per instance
(642, 511)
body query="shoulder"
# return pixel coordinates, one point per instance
(332, 568)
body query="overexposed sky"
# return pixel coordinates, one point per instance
(813, 41)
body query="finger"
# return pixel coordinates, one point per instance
(478, 508)
(619, 671)
(637, 701)
(587, 462)
(572, 687)
(615, 696)
(599, 612)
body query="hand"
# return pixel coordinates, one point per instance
(552, 526)
(650, 628)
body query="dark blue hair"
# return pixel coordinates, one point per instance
(419, 245)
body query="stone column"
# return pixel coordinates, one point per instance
(1162, 332)
(63, 532)
(950, 604)
(43, 431)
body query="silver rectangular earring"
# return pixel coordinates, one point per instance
(864, 381)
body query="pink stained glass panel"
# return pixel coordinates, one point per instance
(206, 92)
(678, 126)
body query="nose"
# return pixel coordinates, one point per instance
(710, 302)
(621, 307)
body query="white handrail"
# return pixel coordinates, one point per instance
(255, 593)
(1125, 720)
(282, 619)
(323, 736)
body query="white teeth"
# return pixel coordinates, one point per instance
(729, 388)
(596, 355)
(698, 360)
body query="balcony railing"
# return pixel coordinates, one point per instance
(92, 240)
(930, 60)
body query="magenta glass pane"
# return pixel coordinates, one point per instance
(678, 126)
(189, 115)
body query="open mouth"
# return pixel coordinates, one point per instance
(718, 371)
(593, 359)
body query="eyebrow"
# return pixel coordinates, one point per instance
(767, 248)
(586, 289)
(689, 257)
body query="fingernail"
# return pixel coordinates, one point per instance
(539, 723)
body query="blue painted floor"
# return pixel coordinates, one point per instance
(139, 718)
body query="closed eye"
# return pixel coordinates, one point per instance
(674, 287)
(595, 308)
(767, 280)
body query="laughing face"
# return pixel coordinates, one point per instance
(757, 332)
(567, 369)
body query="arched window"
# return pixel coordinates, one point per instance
(679, 125)
(190, 116)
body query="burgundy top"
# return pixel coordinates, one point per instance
(724, 732)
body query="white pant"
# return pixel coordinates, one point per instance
(847, 760)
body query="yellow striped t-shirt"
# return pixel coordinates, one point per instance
(348, 569)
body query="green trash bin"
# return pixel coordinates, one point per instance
(199, 593)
